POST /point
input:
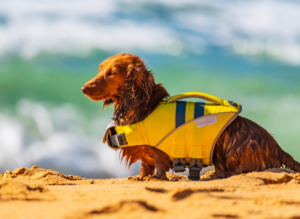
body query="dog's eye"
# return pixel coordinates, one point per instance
(111, 73)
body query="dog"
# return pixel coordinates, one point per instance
(125, 81)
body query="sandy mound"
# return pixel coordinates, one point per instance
(13, 190)
(270, 176)
(40, 176)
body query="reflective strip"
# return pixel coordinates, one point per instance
(199, 109)
(180, 113)
(206, 120)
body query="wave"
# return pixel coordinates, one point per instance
(172, 27)
(60, 137)
(57, 137)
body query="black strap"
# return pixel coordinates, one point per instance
(199, 109)
(180, 113)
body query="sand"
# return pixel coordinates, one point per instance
(39, 193)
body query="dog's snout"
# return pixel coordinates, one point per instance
(85, 90)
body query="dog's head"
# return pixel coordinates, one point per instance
(122, 79)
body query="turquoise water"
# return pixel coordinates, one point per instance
(244, 51)
(55, 126)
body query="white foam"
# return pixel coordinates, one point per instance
(78, 27)
(11, 135)
(56, 137)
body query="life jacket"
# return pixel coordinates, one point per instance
(184, 130)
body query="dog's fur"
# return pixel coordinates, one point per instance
(124, 80)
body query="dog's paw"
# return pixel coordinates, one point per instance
(222, 175)
(158, 178)
(136, 178)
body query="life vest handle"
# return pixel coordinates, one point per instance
(200, 95)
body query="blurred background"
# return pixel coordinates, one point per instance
(244, 51)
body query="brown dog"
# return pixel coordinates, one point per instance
(124, 80)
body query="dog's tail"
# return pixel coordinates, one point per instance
(289, 161)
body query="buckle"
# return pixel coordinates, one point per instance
(118, 139)
(195, 168)
(232, 103)
(179, 165)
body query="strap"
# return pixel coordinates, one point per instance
(199, 109)
(203, 96)
(180, 113)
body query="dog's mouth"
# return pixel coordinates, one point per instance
(107, 100)
(98, 97)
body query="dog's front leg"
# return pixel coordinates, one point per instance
(152, 158)
(161, 169)
(146, 170)
(162, 163)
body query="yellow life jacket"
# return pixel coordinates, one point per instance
(182, 129)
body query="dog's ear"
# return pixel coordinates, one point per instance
(138, 86)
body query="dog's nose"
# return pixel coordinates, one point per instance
(85, 89)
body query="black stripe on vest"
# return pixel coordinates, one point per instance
(180, 113)
(199, 109)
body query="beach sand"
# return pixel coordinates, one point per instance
(39, 193)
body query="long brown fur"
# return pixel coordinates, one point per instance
(124, 80)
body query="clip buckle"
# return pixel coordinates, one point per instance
(179, 165)
(232, 103)
(118, 139)
(195, 168)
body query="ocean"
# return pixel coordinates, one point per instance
(244, 51)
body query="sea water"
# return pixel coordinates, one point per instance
(244, 51)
